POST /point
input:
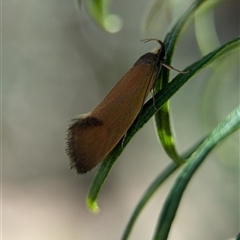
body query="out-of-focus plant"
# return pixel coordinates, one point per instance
(164, 90)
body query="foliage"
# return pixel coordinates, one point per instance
(164, 90)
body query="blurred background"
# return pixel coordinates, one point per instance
(57, 63)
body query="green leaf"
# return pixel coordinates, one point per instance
(154, 186)
(238, 236)
(230, 124)
(162, 117)
(149, 110)
(147, 195)
(99, 10)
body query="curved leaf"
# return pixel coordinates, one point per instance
(99, 10)
(147, 195)
(162, 117)
(230, 124)
(154, 186)
(149, 110)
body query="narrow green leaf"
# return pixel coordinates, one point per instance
(162, 117)
(154, 186)
(100, 12)
(147, 195)
(149, 110)
(238, 236)
(230, 124)
(173, 35)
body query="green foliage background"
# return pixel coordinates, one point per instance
(58, 61)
